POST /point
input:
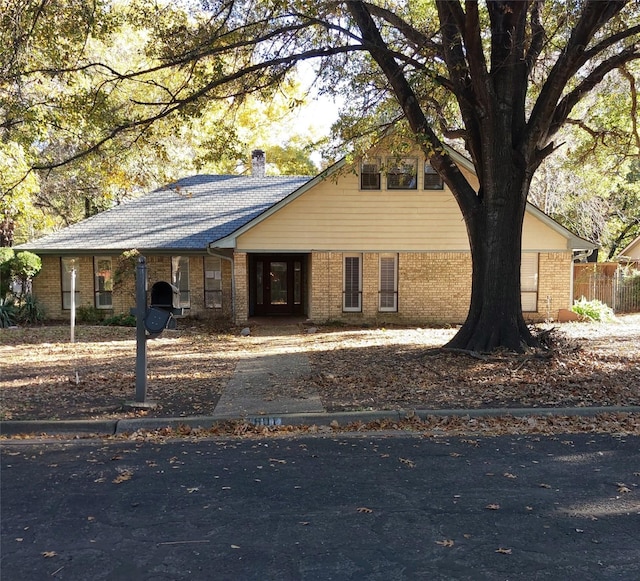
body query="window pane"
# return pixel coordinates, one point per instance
(370, 174)
(278, 274)
(432, 181)
(529, 282)
(259, 282)
(103, 282)
(67, 265)
(388, 283)
(180, 278)
(352, 288)
(529, 272)
(213, 282)
(297, 282)
(402, 174)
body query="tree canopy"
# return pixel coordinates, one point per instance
(499, 78)
(57, 102)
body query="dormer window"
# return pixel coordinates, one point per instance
(370, 174)
(432, 180)
(402, 173)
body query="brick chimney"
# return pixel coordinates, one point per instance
(258, 163)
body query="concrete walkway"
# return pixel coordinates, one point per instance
(262, 385)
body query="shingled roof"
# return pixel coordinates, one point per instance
(186, 215)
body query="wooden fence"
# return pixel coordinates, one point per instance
(609, 283)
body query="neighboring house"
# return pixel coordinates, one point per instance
(380, 241)
(631, 254)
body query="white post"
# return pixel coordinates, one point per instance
(73, 303)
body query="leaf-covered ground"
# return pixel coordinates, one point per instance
(43, 376)
(589, 364)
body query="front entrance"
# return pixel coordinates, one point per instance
(277, 284)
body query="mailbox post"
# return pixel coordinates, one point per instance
(150, 322)
(141, 332)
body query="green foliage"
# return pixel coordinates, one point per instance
(8, 313)
(31, 310)
(22, 267)
(594, 310)
(6, 256)
(121, 320)
(26, 265)
(88, 314)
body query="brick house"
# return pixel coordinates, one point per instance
(379, 240)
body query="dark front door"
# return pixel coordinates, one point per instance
(277, 284)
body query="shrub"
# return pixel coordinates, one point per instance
(31, 310)
(89, 314)
(120, 321)
(8, 313)
(594, 310)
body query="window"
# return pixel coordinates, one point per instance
(212, 282)
(388, 283)
(529, 282)
(180, 278)
(402, 173)
(69, 268)
(103, 282)
(352, 288)
(432, 180)
(370, 174)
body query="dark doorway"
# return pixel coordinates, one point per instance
(277, 284)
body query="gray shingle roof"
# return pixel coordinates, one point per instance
(185, 215)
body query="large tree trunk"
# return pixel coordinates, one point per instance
(495, 233)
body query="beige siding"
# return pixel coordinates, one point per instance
(536, 235)
(338, 216)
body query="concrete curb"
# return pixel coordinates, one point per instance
(127, 426)
(98, 427)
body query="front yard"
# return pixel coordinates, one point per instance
(43, 376)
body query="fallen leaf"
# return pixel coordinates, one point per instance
(509, 475)
(49, 554)
(123, 477)
(503, 551)
(445, 543)
(543, 485)
(409, 463)
(492, 507)
(235, 546)
(364, 509)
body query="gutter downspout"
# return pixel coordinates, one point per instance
(233, 279)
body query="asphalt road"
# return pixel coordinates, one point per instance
(360, 507)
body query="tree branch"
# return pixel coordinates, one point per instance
(406, 97)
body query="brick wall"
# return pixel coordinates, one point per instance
(554, 285)
(47, 286)
(242, 287)
(433, 288)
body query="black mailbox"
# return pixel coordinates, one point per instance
(165, 299)
(164, 295)
(157, 320)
